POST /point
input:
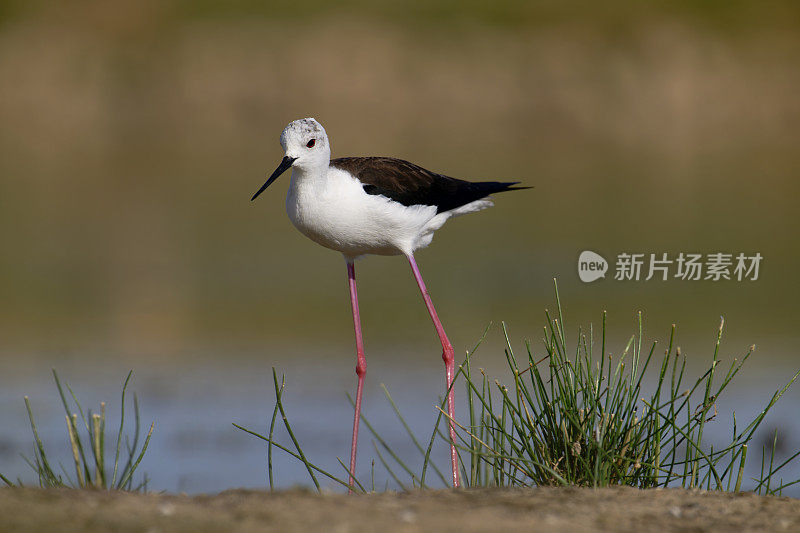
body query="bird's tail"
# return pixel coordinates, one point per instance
(492, 187)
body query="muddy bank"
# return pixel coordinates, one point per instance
(546, 509)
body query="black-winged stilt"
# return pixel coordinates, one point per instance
(374, 205)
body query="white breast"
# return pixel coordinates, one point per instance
(335, 212)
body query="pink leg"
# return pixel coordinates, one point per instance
(361, 365)
(448, 354)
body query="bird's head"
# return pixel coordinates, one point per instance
(305, 145)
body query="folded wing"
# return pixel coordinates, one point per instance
(410, 184)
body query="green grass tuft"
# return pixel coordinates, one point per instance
(89, 453)
(573, 416)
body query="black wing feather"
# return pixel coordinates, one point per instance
(410, 184)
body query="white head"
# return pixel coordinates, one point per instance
(306, 146)
(305, 140)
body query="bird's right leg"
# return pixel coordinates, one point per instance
(361, 365)
(448, 355)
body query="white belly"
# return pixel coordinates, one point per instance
(339, 215)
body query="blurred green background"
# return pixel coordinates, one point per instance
(133, 133)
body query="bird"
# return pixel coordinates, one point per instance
(362, 206)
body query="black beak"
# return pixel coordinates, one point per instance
(286, 162)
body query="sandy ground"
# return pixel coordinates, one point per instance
(545, 509)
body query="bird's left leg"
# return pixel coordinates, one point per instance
(448, 355)
(361, 365)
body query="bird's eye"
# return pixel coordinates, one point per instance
(311, 143)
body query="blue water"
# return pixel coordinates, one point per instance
(195, 449)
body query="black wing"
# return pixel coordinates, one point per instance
(410, 184)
